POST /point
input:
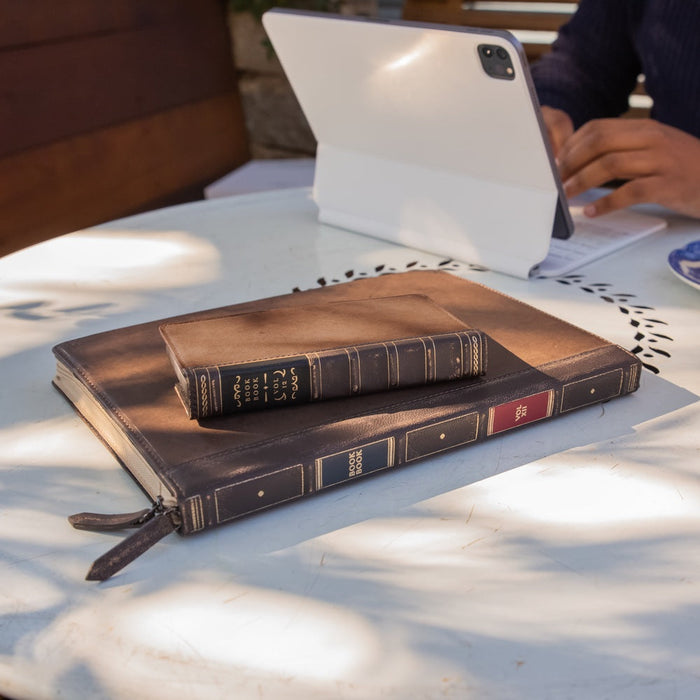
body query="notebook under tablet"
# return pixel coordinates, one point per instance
(428, 135)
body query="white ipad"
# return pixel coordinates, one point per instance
(428, 136)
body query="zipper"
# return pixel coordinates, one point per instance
(152, 524)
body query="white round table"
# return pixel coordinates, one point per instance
(561, 561)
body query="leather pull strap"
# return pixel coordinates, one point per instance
(154, 523)
(102, 522)
(132, 547)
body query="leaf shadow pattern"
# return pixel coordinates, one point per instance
(651, 333)
(651, 338)
(44, 310)
(300, 539)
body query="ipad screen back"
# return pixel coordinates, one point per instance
(428, 136)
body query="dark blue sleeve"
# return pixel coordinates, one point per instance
(593, 65)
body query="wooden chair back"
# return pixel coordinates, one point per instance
(111, 108)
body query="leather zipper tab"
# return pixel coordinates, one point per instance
(153, 524)
(131, 548)
(104, 522)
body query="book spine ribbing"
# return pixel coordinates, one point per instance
(335, 373)
(373, 450)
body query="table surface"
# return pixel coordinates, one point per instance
(560, 561)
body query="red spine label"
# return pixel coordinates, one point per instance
(520, 412)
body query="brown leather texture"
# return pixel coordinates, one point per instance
(277, 357)
(226, 467)
(272, 333)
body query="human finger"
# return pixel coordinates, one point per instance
(618, 165)
(600, 137)
(634, 192)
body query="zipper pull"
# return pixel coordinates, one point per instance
(105, 522)
(153, 524)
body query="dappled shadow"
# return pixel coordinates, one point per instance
(437, 565)
(485, 572)
(43, 310)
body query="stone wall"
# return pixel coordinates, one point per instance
(276, 125)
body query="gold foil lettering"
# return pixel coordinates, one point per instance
(355, 463)
(284, 387)
(520, 412)
(251, 389)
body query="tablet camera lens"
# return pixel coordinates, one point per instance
(496, 61)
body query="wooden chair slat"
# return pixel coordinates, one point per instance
(110, 108)
(153, 161)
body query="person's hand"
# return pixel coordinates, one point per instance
(559, 127)
(660, 163)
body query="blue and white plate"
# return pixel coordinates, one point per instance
(685, 262)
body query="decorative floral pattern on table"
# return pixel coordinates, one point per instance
(651, 333)
(651, 337)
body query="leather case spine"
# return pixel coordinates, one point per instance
(335, 373)
(201, 476)
(363, 447)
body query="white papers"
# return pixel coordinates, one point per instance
(596, 238)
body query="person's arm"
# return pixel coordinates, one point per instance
(589, 75)
(593, 65)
